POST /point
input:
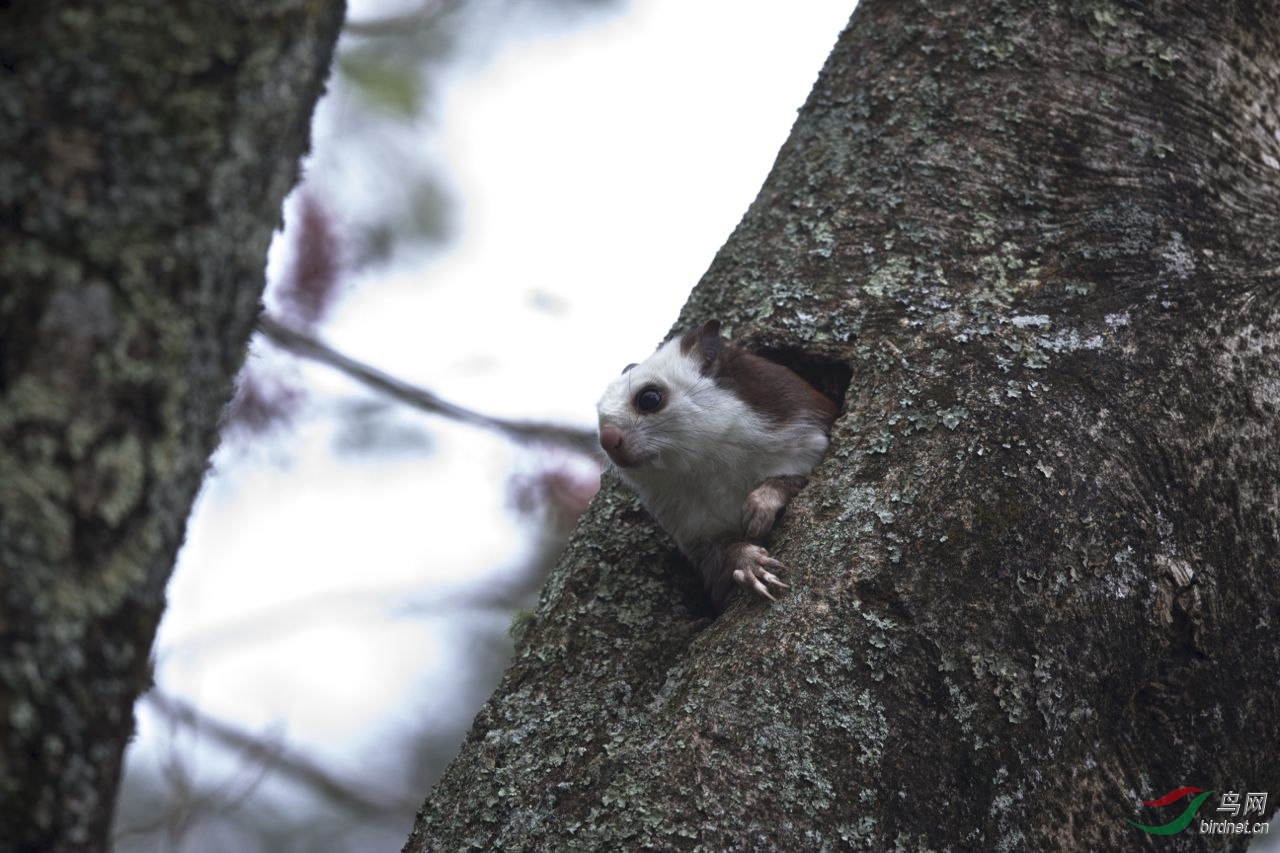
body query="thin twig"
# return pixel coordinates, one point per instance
(299, 343)
(410, 22)
(361, 796)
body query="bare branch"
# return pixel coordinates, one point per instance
(424, 18)
(360, 797)
(530, 432)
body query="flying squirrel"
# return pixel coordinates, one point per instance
(715, 440)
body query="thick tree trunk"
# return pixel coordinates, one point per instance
(1036, 574)
(147, 149)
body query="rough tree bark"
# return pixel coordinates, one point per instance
(147, 149)
(1035, 577)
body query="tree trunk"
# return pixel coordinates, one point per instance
(148, 147)
(1035, 578)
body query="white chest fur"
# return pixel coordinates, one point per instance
(701, 500)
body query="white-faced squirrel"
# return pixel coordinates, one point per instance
(715, 440)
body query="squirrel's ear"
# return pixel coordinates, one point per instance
(709, 345)
(703, 343)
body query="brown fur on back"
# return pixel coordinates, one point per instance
(768, 387)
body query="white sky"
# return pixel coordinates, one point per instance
(601, 169)
(597, 172)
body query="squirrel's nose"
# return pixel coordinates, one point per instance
(610, 437)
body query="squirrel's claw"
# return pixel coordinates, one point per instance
(751, 566)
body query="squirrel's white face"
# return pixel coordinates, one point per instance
(664, 413)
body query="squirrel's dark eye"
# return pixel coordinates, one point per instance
(649, 400)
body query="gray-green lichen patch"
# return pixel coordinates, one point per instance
(890, 279)
(1010, 681)
(1126, 41)
(1178, 259)
(120, 471)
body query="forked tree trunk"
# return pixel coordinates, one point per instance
(146, 150)
(1035, 580)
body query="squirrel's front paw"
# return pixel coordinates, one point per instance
(750, 567)
(761, 509)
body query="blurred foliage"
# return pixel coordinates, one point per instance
(382, 81)
(389, 67)
(308, 288)
(368, 426)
